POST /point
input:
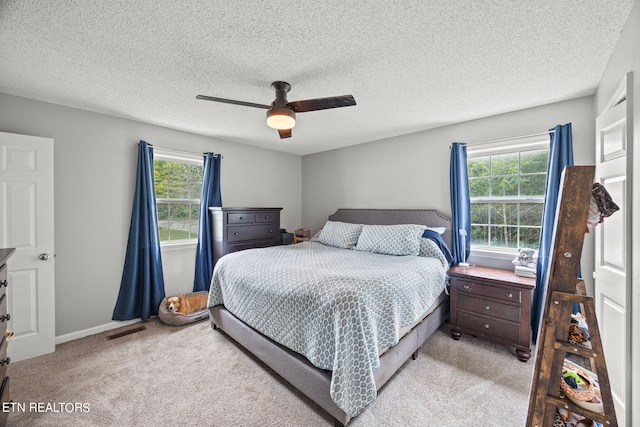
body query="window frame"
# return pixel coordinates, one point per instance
(177, 157)
(505, 146)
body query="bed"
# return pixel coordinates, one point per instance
(346, 346)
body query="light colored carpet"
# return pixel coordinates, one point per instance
(193, 375)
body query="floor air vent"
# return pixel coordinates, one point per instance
(125, 332)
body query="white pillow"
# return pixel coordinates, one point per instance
(339, 234)
(439, 230)
(401, 239)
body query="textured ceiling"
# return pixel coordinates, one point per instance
(411, 65)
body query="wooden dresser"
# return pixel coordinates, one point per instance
(493, 304)
(4, 318)
(236, 229)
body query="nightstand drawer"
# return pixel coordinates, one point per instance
(250, 232)
(489, 326)
(489, 308)
(241, 218)
(505, 294)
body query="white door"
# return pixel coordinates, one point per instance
(26, 223)
(613, 260)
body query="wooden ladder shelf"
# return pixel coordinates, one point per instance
(546, 395)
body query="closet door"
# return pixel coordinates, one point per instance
(613, 251)
(26, 223)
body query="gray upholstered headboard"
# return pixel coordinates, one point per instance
(428, 217)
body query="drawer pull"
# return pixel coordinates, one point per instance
(486, 326)
(509, 295)
(467, 287)
(4, 283)
(236, 234)
(266, 217)
(486, 307)
(270, 231)
(5, 361)
(241, 218)
(6, 317)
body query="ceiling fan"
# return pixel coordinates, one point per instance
(281, 114)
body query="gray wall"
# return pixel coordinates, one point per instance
(95, 164)
(412, 171)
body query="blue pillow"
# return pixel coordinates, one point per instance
(438, 240)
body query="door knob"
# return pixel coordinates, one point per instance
(44, 257)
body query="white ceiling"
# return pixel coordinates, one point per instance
(411, 65)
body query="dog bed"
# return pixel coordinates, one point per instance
(173, 318)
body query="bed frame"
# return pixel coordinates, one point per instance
(295, 368)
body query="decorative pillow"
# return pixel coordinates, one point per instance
(429, 249)
(401, 239)
(339, 234)
(316, 236)
(426, 247)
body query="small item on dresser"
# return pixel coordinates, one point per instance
(286, 237)
(526, 258)
(525, 271)
(303, 232)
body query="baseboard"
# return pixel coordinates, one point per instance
(92, 331)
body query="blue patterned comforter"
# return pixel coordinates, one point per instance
(337, 307)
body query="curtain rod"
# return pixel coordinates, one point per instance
(184, 152)
(509, 139)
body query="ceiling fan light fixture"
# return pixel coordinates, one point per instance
(281, 118)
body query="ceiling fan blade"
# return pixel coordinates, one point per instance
(284, 133)
(231, 101)
(322, 103)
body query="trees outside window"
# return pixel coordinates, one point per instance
(506, 191)
(178, 184)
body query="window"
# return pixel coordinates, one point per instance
(178, 182)
(506, 189)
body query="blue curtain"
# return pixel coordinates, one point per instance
(560, 155)
(142, 285)
(460, 205)
(211, 197)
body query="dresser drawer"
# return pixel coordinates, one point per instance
(3, 357)
(3, 279)
(250, 232)
(506, 294)
(268, 217)
(241, 218)
(490, 326)
(4, 317)
(241, 246)
(4, 395)
(489, 308)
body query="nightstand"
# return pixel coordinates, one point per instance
(493, 304)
